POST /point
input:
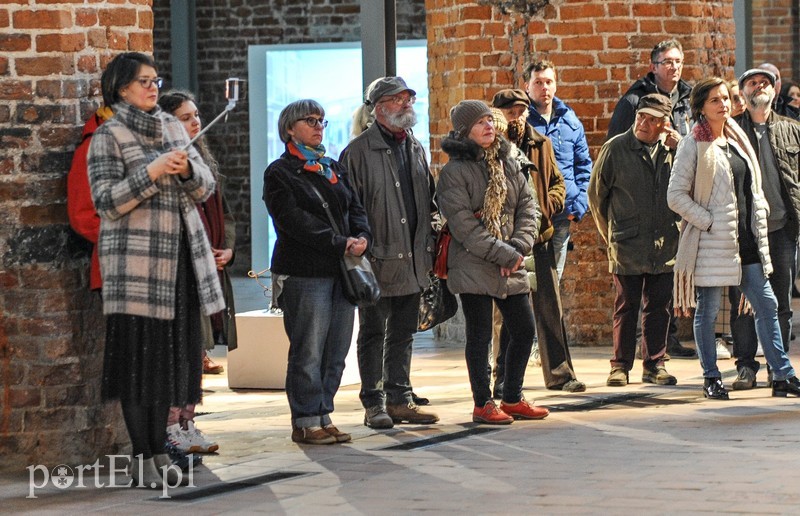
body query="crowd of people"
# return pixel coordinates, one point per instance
(696, 188)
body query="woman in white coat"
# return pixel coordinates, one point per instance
(716, 187)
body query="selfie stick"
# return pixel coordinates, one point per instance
(232, 94)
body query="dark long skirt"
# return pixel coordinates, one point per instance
(152, 361)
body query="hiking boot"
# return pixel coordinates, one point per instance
(524, 410)
(211, 367)
(341, 437)
(410, 413)
(617, 378)
(659, 376)
(745, 380)
(490, 414)
(677, 350)
(713, 389)
(312, 435)
(376, 417)
(569, 386)
(782, 388)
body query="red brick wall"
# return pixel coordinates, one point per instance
(478, 47)
(51, 328)
(776, 35)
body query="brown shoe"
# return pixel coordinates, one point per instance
(410, 413)
(341, 437)
(210, 367)
(312, 435)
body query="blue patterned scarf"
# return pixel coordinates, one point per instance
(316, 161)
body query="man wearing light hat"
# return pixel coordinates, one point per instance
(775, 140)
(628, 198)
(389, 172)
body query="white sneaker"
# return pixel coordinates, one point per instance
(198, 441)
(722, 350)
(535, 360)
(759, 350)
(190, 440)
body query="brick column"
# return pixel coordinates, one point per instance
(51, 328)
(600, 48)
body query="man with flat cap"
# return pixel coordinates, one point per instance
(548, 183)
(628, 198)
(776, 140)
(390, 174)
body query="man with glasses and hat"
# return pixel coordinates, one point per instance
(664, 77)
(390, 174)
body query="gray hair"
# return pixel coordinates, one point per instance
(663, 46)
(294, 112)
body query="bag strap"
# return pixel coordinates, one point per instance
(327, 209)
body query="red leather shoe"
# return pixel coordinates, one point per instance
(524, 410)
(211, 367)
(490, 414)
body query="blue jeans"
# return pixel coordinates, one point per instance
(385, 338)
(758, 292)
(319, 323)
(560, 241)
(518, 320)
(783, 253)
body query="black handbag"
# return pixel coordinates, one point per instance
(359, 284)
(436, 304)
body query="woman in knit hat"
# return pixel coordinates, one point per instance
(493, 219)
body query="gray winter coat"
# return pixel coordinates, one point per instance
(475, 256)
(401, 266)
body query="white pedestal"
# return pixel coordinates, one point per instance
(260, 360)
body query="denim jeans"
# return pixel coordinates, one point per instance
(783, 252)
(518, 319)
(319, 323)
(758, 292)
(654, 293)
(560, 242)
(385, 339)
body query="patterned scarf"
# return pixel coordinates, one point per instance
(496, 191)
(316, 161)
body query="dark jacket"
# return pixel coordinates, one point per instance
(401, 263)
(784, 137)
(628, 198)
(545, 178)
(475, 256)
(572, 154)
(307, 245)
(625, 112)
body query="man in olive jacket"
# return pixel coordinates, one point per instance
(628, 198)
(390, 174)
(776, 140)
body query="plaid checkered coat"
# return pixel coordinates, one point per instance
(141, 219)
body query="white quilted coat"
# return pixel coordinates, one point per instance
(718, 262)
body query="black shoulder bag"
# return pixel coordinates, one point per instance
(359, 284)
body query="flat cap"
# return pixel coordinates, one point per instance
(655, 104)
(507, 98)
(385, 87)
(756, 71)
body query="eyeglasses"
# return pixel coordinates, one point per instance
(314, 122)
(147, 81)
(399, 100)
(672, 63)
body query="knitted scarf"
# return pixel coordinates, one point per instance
(316, 161)
(689, 243)
(496, 191)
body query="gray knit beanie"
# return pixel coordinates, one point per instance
(466, 113)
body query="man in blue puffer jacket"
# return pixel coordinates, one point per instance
(553, 118)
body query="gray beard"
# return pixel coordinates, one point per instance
(760, 100)
(402, 120)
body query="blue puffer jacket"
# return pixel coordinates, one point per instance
(572, 155)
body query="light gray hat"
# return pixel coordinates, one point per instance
(756, 71)
(385, 87)
(466, 113)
